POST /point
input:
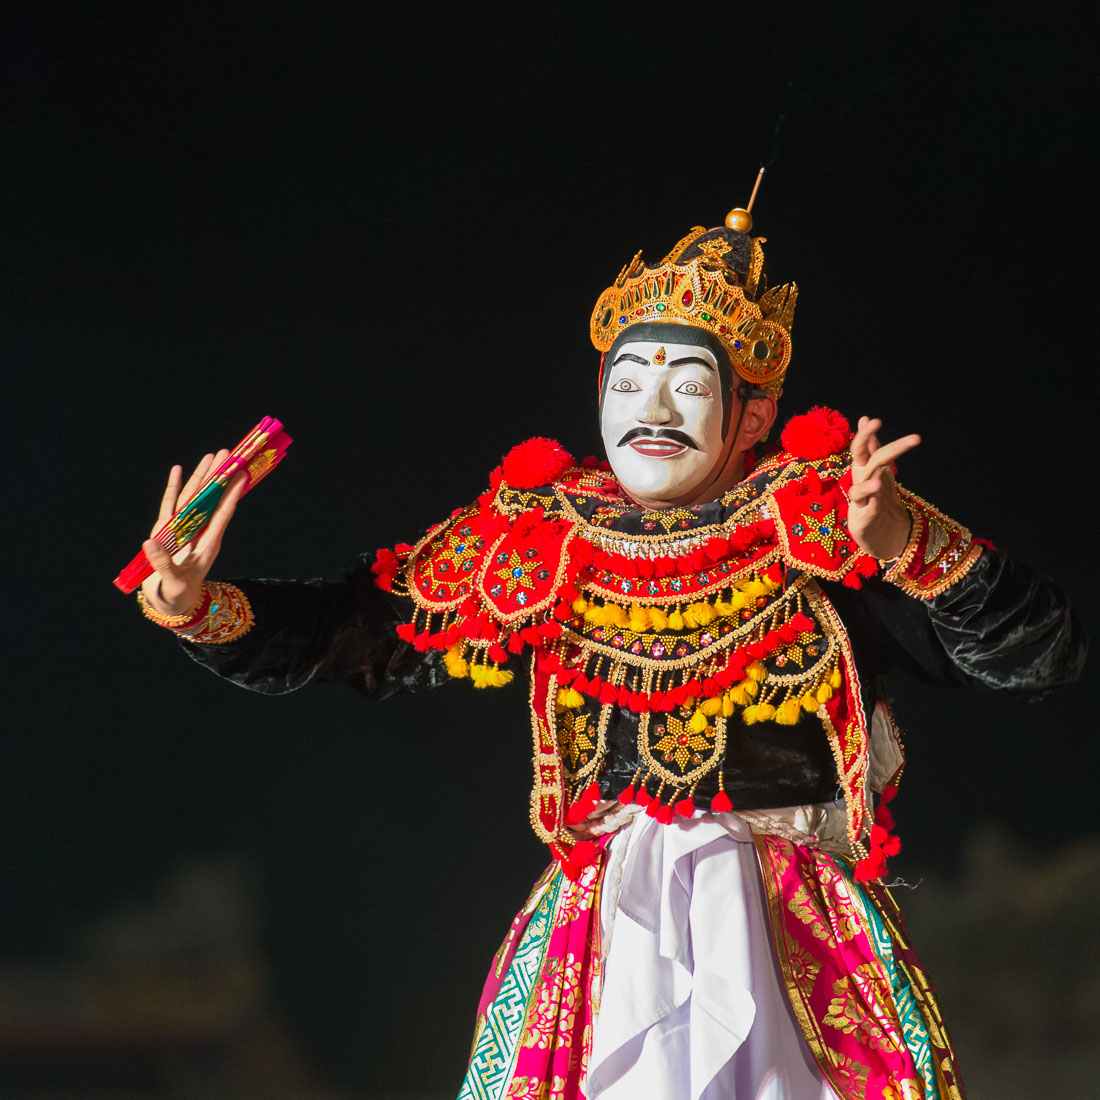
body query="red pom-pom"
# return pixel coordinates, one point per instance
(889, 792)
(721, 803)
(643, 797)
(717, 549)
(866, 566)
(852, 580)
(891, 845)
(871, 868)
(536, 462)
(817, 434)
(653, 809)
(685, 807)
(627, 797)
(885, 818)
(584, 852)
(406, 632)
(664, 815)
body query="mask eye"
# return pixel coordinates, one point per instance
(624, 385)
(693, 389)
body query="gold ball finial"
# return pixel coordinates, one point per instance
(739, 219)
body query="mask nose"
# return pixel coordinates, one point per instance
(657, 409)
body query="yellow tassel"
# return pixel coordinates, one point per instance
(570, 697)
(490, 676)
(809, 702)
(834, 678)
(658, 619)
(769, 584)
(724, 607)
(639, 620)
(616, 615)
(711, 706)
(698, 722)
(754, 589)
(595, 615)
(737, 600)
(758, 712)
(699, 614)
(824, 693)
(739, 695)
(455, 663)
(676, 621)
(788, 713)
(727, 704)
(756, 671)
(580, 605)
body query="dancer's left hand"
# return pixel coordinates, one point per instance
(877, 519)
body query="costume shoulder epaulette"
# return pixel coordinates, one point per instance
(808, 485)
(807, 496)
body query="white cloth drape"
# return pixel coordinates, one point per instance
(693, 1007)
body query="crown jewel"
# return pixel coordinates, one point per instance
(697, 284)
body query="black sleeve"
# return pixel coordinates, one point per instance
(1001, 625)
(319, 631)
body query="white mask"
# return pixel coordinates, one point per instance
(661, 420)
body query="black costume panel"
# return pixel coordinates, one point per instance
(1000, 625)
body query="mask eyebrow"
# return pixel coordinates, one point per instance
(692, 359)
(626, 355)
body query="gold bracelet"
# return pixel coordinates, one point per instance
(172, 622)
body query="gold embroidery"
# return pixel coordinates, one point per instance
(904, 1089)
(557, 998)
(681, 745)
(516, 573)
(852, 1075)
(860, 1004)
(802, 906)
(574, 739)
(804, 968)
(843, 916)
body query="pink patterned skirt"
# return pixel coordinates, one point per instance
(695, 961)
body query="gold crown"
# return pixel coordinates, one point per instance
(706, 293)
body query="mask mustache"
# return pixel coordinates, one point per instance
(671, 434)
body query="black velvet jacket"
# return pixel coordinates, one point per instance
(1000, 625)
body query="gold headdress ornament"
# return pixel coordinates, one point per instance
(704, 291)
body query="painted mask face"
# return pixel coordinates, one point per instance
(661, 420)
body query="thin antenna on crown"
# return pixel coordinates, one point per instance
(755, 188)
(740, 217)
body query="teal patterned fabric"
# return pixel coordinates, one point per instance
(912, 1024)
(494, 1054)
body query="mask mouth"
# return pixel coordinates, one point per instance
(658, 443)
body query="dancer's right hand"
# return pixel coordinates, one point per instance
(176, 583)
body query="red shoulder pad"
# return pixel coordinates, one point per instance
(445, 565)
(811, 519)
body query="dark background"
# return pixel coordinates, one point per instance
(387, 225)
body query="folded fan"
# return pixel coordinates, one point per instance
(257, 454)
